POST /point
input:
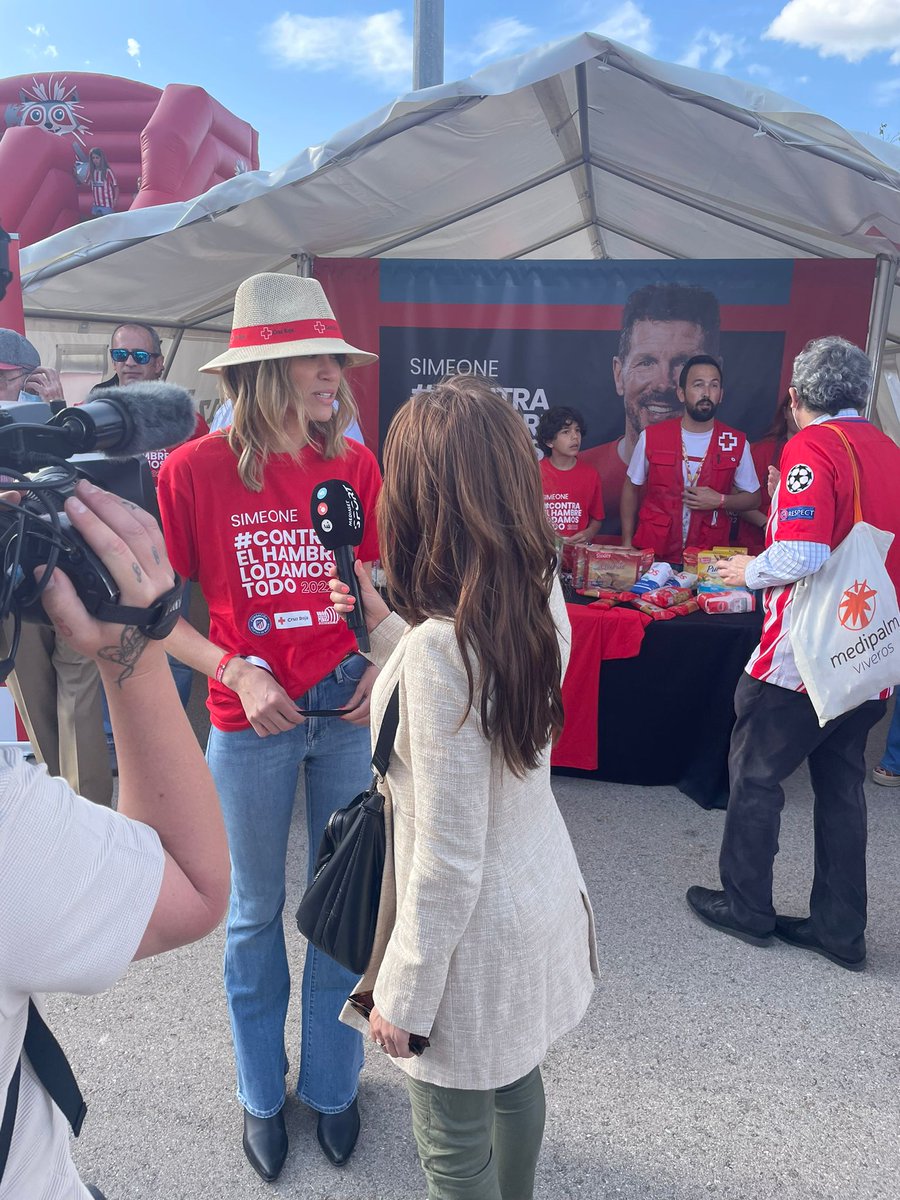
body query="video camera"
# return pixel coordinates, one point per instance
(35, 452)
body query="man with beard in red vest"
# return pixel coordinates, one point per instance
(697, 472)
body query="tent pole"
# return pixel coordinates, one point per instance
(885, 274)
(428, 43)
(173, 350)
(584, 134)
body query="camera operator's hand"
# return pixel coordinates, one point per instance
(131, 546)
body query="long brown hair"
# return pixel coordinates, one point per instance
(262, 394)
(464, 535)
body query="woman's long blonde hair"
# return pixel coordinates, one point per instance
(262, 395)
(463, 534)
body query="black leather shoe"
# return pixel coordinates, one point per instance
(337, 1134)
(713, 908)
(796, 931)
(95, 1192)
(265, 1144)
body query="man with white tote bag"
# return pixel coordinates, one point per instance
(818, 696)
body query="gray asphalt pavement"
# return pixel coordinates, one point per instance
(704, 1067)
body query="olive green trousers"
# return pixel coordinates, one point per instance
(479, 1145)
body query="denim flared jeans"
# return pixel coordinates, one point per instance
(257, 780)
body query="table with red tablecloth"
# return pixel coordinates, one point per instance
(652, 703)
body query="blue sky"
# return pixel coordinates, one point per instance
(303, 72)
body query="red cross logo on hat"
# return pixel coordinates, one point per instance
(727, 441)
(265, 333)
(319, 326)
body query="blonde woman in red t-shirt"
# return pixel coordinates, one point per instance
(236, 514)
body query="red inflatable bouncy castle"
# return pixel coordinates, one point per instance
(161, 146)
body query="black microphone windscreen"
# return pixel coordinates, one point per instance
(162, 415)
(337, 514)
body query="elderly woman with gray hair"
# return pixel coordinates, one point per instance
(777, 727)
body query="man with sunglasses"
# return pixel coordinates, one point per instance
(136, 353)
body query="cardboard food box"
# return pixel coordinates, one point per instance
(706, 564)
(614, 566)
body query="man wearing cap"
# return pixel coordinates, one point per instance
(22, 378)
(57, 691)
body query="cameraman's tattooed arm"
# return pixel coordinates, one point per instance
(130, 648)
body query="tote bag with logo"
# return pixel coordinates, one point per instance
(845, 620)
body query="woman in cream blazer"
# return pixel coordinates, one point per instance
(485, 943)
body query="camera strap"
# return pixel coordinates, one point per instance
(52, 1068)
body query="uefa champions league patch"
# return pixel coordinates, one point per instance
(799, 478)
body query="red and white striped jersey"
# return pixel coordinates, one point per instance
(104, 189)
(814, 503)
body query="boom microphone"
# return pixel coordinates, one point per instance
(337, 518)
(125, 421)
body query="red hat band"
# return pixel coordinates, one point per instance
(285, 331)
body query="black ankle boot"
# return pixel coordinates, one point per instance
(337, 1134)
(265, 1144)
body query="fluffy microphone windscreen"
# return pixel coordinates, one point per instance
(162, 415)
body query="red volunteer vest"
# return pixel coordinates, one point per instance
(659, 521)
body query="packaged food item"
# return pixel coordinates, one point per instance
(644, 605)
(668, 597)
(733, 600)
(690, 559)
(658, 576)
(606, 594)
(706, 564)
(578, 566)
(615, 567)
(683, 579)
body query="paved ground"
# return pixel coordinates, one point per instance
(704, 1068)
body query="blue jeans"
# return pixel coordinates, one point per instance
(257, 779)
(891, 758)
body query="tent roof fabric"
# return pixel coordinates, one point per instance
(583, 149)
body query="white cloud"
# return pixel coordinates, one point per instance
(39, 30)
(711, 50)
(848, 28)
(50, 51)
(501, 37)
(886, 92)
(133, 46)
(376, 47)
(627, 23)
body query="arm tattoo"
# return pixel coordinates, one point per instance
(126, 654)
(138, 573)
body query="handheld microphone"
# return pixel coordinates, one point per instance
(126, 421)
(337, 518)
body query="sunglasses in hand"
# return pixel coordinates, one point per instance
(364, 1002)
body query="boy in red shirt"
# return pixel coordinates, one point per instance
(573, 495)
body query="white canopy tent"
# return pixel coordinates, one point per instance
(583, 149)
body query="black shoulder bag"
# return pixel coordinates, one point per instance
(339, 909)
(52, 1068)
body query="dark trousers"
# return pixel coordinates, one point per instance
(776, 729)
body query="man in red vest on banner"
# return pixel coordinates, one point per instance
(697, 472)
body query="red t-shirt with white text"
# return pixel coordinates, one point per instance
(572, 498)
(258, 560)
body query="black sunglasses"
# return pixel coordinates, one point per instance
(140, 356)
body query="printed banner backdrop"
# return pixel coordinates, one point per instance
(549, 333)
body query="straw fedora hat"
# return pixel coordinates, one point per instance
(280, 316)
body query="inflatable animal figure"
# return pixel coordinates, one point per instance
(162, 145)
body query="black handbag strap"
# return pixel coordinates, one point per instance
(385, 744)
(52, 1068)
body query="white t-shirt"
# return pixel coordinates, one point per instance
(78, 885)
(695, 447)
